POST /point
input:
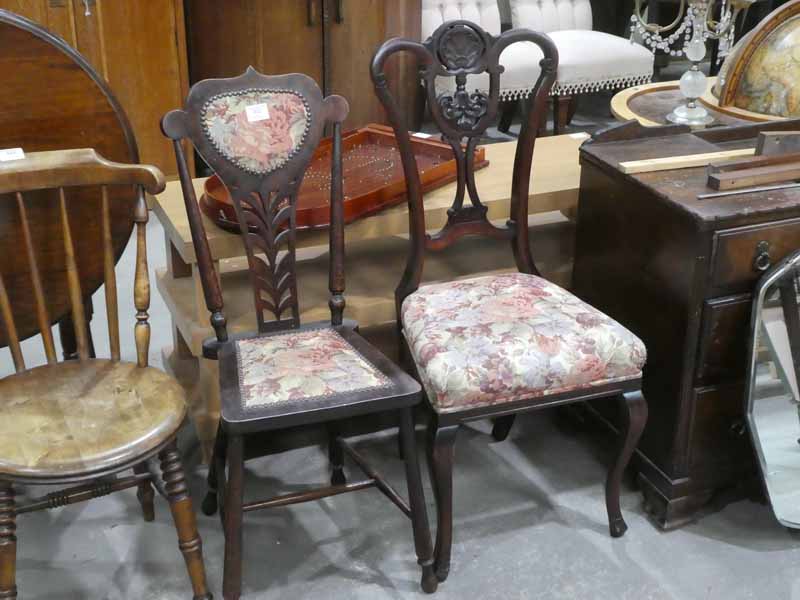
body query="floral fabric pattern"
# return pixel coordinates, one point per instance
(300, 366)
(495, 339)
(259, 145)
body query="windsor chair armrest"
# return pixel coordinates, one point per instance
(75, 167)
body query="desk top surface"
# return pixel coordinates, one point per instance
(679, 188)
(554, 186)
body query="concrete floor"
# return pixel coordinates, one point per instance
(529, 523)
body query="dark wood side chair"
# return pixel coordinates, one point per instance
(259, 133)
(86, 421)
(496, 345)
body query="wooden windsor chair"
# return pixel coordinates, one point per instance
(259, 134)
(87, 421)
(497, 345)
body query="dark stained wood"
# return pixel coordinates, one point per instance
(456, 49)
(78, 111)
(331, 41)
(645, 246)
(722, 350)
(265, 205)
(372, 174)
(100, 390)
(741, 254)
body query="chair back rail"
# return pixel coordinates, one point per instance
(458, 49)
(259, 134)
(61, 170)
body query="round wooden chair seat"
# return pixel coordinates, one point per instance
(81, 417)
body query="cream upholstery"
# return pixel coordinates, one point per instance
(552, 15)
(588, 60)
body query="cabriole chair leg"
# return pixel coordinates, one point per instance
(8, 542)
(185, 522)
(441, 452)
(634, 410)
(234, 492)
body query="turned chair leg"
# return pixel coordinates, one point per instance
(185, 523)
(216, 469)
(634, 410)
(145, 495)
(234, 492)
(335, 455)
(441, 452)
(561, 106)
(8, 542)
(416, 500)
(502, 427)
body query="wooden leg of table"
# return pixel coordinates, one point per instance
(176, 266)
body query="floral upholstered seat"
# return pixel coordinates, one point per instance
(302, 365)
(496, 339)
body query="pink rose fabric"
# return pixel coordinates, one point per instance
(501, 338)
(301, 365)
(258, 146)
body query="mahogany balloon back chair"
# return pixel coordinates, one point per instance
(85, 421)
(497, 345)
(259, 134)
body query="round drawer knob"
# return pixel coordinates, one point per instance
(762, 260)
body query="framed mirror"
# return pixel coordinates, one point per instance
(773, 401)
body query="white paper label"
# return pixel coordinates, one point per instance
(257, 112)
(11, 154)
(424, 136)
(579, 136)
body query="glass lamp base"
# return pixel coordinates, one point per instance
(693, 116)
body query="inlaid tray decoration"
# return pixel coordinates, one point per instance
(373, 178)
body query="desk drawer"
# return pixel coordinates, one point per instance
(722, 354)
(741, 255)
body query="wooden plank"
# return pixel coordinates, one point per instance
(686, 161)
(744, 178)
(771, 143)
(753, 162)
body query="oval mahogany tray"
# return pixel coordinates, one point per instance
(373, 178)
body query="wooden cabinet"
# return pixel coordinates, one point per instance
(331, 40)
(138, 46)
(679, 272)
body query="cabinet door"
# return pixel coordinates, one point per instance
(357, 28)
(142, 50)
(274, 36)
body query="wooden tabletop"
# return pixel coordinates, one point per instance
(652, 102)
(554, 187)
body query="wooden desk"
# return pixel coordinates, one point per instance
(376, 250)
(679, 272)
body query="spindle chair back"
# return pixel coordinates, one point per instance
(85, 421)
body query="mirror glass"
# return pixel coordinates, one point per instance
(773, 401)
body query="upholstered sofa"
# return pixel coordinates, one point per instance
(588, 60)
